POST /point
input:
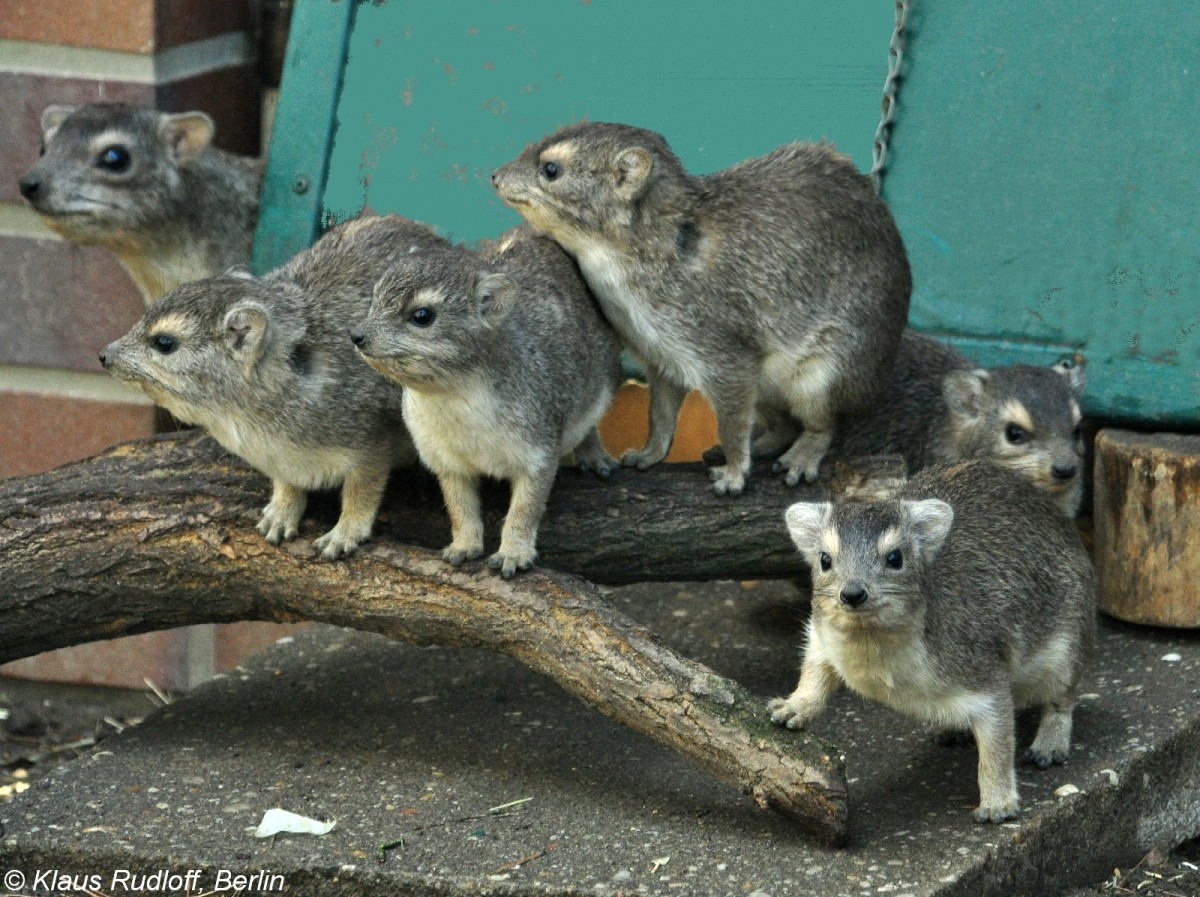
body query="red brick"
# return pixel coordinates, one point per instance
(63, 303)
(160, 657)
(130, 26)
(231, 96)
(43, 431)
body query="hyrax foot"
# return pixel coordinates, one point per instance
(771, 443)
(803, 460)
(1052, 743)
(790, 712)
(340, 542)
(727, 480)
(280, 521)
(456, 555)
(1045, 759)
(642, 459)
(1001, 812)
(591, 457)
(510, 563)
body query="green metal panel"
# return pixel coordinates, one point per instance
(1043, 174)
(439, 93)
(303, 133)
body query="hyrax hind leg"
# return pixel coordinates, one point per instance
(1053, 740)
(666, 398)
(807, 389)
(592, 457)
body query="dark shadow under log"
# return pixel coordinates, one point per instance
(159, 533)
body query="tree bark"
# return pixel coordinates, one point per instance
(159, 533)
(1147, 527)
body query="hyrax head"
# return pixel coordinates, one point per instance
(586, 179)
(200, 349)
(109, 170)
(870, 560)
(433, 317)
(1025, 418)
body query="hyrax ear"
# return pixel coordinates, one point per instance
(632, 168)
(246, 326)
(806, 522)
(239, 272)
(495, 295)
(186, 135)
(52, 119)
(1075, 373)
(964, 391)
(930, 521)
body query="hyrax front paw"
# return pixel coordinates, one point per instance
(456, 555)
(597, 461)
(1001, 812)
(803, 460)
(642, 459)
(727, 480)
(790, 712)
(280, 523)
(340, 542)
(1044, 758)
(511, 562)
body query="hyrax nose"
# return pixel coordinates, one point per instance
(1065, 471)
(30, 186)
(104, 358)
(357, 336)
(853, 595)
(496, 177)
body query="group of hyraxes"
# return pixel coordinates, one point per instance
(778, 288)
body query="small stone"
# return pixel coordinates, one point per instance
(622, 875)
(1066, 791)
(1172, 657)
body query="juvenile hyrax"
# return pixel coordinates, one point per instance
(267, 367)
(148, 185)
(941, 408)
(507, 365)
(962, 599)
(778, 287)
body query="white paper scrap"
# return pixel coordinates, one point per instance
(276, 820)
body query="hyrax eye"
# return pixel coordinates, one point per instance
(1016, 434)
(115, 159)
(894, 559)
(164, 343)
(422, 316)
(826, 561)
(550, 170)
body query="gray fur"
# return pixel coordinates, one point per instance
(941, 409)
(514, 371)
(991, 609)
(267, 367)
(183, 210)
(777, 287)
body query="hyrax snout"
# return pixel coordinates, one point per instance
(777, 287)
(965, 597)
(266, 366)
(149, 185)
(507, 365)
(941, 408)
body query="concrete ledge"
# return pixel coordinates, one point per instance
(397, 742)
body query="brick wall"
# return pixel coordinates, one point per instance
(61, 303)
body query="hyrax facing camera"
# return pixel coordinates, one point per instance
(778, 287)
(266, 366)
(150, 186)
(941, 408)
(962, 599)
(507, 365)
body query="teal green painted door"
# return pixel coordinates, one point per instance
(437, 93)
(1043, 173)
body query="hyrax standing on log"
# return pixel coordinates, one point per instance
(941, 408)
(507, 365)
(778, 287)
(150, 186)
(965, 597)
(267, 367)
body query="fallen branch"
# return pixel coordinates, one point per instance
(158, 533)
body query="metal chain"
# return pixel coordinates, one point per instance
(890, 89)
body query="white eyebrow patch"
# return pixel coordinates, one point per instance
(429, 296)
(563, 151)
(111, 137)
(1014, 411)
(889, 539)
(831, 541)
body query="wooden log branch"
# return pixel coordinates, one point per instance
(159, 533)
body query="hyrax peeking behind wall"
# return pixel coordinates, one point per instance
(267, 367)
(507, 365)
(778, 287)
(962, 599)
(941, 408)
(150, 186)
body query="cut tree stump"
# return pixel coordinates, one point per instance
(1147, 522)
(159, 533)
